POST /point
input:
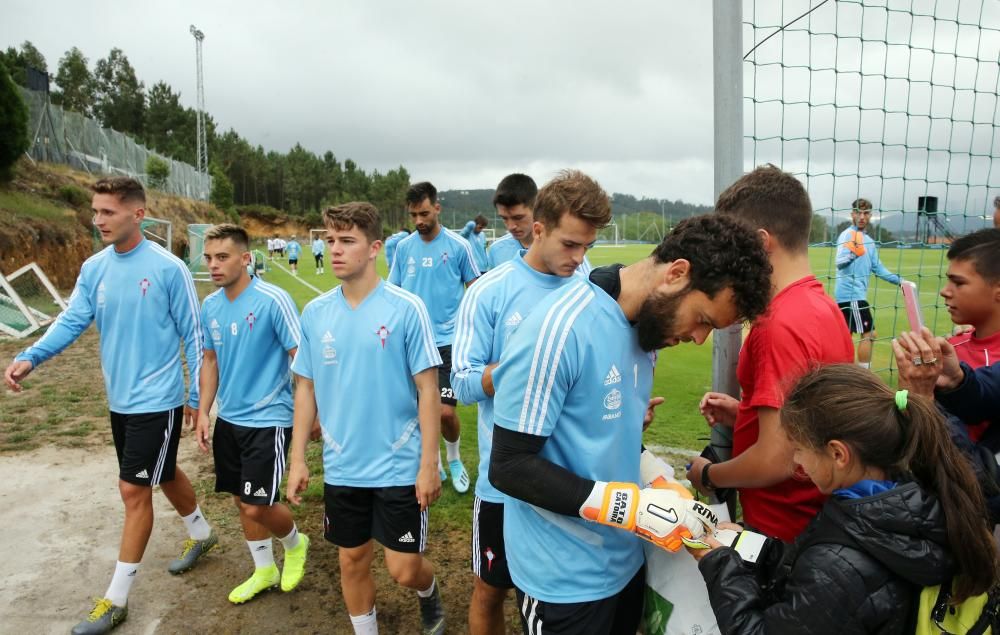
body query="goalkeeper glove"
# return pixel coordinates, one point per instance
(660, 516)
(857, 243)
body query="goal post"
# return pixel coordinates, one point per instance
(196, 252)
(28, 301)
(158, 230)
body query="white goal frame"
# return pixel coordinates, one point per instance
(36, 319)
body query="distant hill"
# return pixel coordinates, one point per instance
(459, 206)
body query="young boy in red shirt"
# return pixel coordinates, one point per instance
(972, 295)
(802, 328)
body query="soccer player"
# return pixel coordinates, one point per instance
(473, 232)
(514, 201)
(390, 245)
(143, 300)
(572, 389)
(489, 313)
(251, 331)
(437, 264)
(972, 295)
(802, 328)
(270, 248)
(857, 259)
(294, 251)
(318, 250)
(380, 456)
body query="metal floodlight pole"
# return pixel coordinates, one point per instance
(202, 140)
(727, 45)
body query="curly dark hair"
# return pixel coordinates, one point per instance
(724, 253)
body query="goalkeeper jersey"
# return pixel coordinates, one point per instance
(489, 313)
(854, 272)
(437, 272)
(251, 337)
(143, 302)
(573, 372)
(362, 361)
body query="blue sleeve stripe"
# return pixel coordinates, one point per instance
(543, 365)
(425, 320)
(284, 303)
(187, 283)
(466, 327)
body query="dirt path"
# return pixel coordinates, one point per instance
(64, 515)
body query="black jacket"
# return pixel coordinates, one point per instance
(857, 568)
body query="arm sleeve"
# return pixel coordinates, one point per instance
(467, 230)
(206, 332)
(977, 397)
(516, 468)
(286, 321)
(817, 598)
(879, 269)
(844, 255)
(472, 350)
(67, 327)
(394, 276)
(302, 362)
(187, 317)
(421, 353)
(470, 271)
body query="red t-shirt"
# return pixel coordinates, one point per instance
(977, 353)
(802, 327)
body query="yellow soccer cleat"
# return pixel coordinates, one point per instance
(263, 579)
(295, 564)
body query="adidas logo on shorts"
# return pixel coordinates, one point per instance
(260, 492)
(613, 376)
(142, 474)
(407, 537)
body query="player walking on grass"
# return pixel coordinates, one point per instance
(380, 455)
(318, 251)
(565, 225)
(294, 251)
(251, 331)
(437, 264)
(143, 300)
(572, 391)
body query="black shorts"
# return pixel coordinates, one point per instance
(319, 259)
(858, 315)
(146, 444)
(390, 515)
(619, 613)
(293, 261)
(444, 377)
(250, 462)
(489, 558)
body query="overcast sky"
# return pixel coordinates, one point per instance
(462, 93)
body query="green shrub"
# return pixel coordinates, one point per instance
(75, 196)
(14, 140)
(157, 172)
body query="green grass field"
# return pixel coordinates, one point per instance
(684, 372)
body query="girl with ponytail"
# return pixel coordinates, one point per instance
(905, 511)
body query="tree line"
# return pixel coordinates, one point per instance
(298, 182)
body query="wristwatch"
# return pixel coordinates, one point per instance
(706, 482)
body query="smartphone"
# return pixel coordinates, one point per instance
(912, 301)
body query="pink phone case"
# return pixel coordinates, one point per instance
(911, 299)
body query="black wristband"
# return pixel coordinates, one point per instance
(706, 482)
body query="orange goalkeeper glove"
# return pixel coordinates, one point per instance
(660, 516)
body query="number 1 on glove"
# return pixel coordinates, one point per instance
(660, 516)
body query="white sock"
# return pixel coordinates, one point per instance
(365, 624)
(121, 582)
(865, 364)
(198, 528)
(429, 591)
(262, 552)
(291, 541)
(452, 450)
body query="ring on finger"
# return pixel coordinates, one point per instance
(932, 360)
(917, 361)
